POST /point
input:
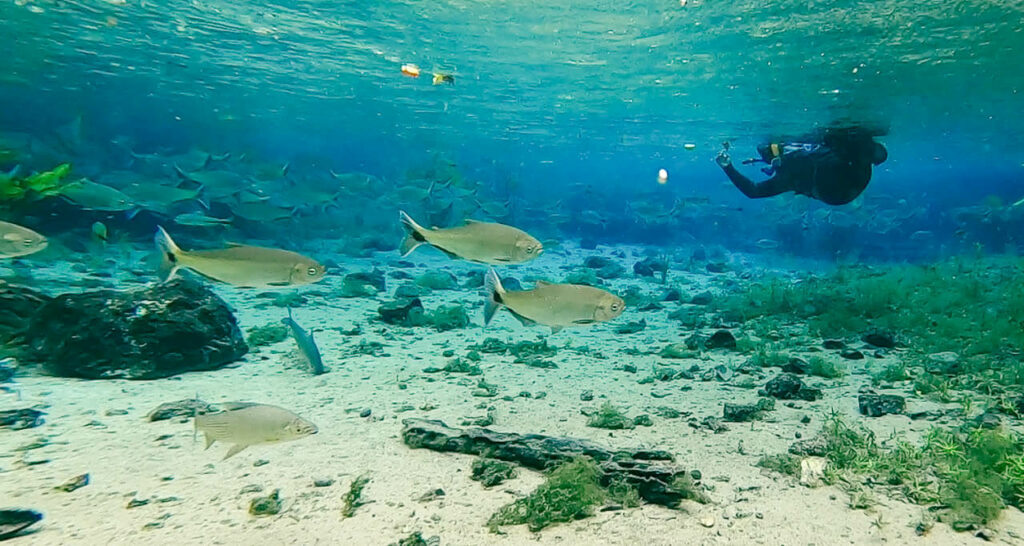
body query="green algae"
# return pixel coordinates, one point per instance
(823, 367)
(354, 497)
(966, 476)
(974, 307)
(610, 417)
(783, 463)
(570, 492)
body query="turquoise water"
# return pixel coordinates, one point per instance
(295, 125)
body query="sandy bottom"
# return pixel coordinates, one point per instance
(99, 428)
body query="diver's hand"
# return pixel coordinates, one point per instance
(723, 159)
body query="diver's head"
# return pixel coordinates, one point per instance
(878, 154)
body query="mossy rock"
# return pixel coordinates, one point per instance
(491, 472)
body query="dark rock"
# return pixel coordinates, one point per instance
(945, 363)
(585, 243)
(714, 424)
(21, 419)
(741, 413)
(722, 339)
(365, 413)
(987, 421)
(642, 269)
(833, 344)
(880, 338)
(787, 386)
(704, 298)
(597, 262)
(876, 405)
(629, 368)
(814, 447)
(851, 354)
(649, 266)
(19, 304)
(410, 291)
(652, 472)
(673, 294)
(587, 395)
(796, 365)
(401, 312)
(432, 495)
(700, 254)
(716, 267)
(613, 270)
(650, 306)
(323, 482)
(643, 420)
(147, 333)
(632, 327)
(13, 522)
(511, 283)
(189, 407)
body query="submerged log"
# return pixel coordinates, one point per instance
(653, 472)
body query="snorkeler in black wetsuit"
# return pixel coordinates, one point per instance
(834, 167)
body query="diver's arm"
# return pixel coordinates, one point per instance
(768, 188)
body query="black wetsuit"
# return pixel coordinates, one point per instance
(835, 171)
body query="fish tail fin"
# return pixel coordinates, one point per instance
(168, 254)
(492, 284)
(414, 237)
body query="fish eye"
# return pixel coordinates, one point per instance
(312, 271)
(531, 249)
(27, 242)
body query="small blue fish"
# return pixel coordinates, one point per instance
(307, 345)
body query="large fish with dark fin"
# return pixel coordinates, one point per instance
(244, 424)
(481, 242)
(554, 305)
(240, 265)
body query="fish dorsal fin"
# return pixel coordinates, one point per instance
(209, 440)
(540, 284)
(470, 221)
(232, 244)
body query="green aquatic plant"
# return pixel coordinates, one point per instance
(972, 307)
(610, 417)
(527, 349)
(570, 492)
(622, 492)
(268, 334)
(766, 355)
(687, 488)
(822, 367)
(971, 474)
(893, 372)
(783, 463)
(354, 497)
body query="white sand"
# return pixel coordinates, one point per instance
(196, 497)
